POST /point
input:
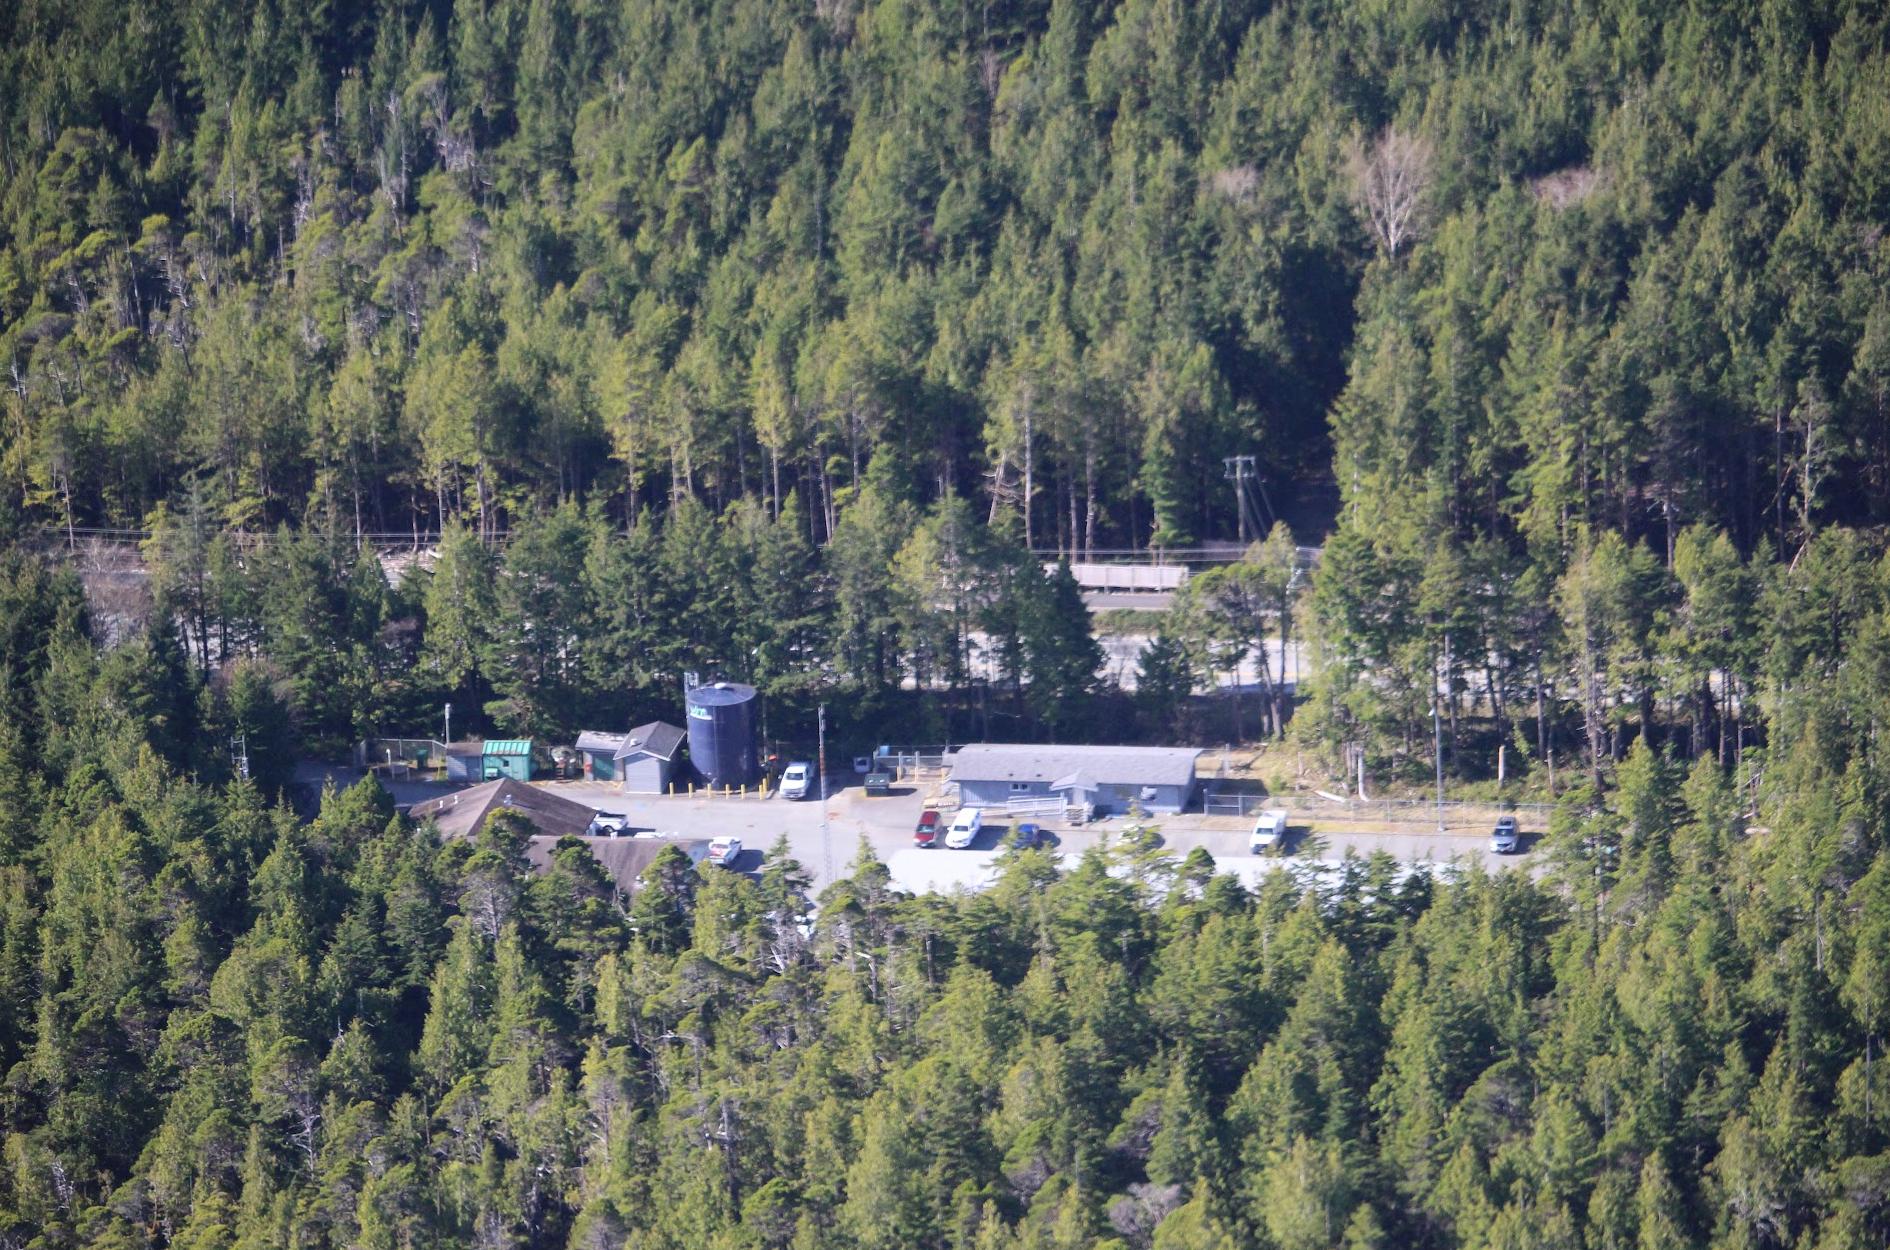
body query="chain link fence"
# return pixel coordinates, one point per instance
(1220, 800)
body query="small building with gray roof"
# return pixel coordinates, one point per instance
(1108, 779)
(640, 762)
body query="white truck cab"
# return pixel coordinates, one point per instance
(1269, 829)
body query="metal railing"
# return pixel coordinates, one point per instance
(1139, 578)
(415, 540)
(1217, 553)
(1218, 802)
(1055, 806)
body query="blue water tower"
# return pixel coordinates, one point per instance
(722, 733)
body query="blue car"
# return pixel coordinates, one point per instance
(1026, 836)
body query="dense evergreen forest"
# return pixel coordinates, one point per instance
(786, 342)
(226, 1029)
(1576, 312)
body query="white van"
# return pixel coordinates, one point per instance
(1268, 831)
(966, 826)
(796, 780)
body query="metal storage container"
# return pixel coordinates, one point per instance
(722, 733)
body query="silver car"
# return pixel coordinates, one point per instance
(1505, 839)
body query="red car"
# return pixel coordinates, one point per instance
(929, 828)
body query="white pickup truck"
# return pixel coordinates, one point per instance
(1269, 829)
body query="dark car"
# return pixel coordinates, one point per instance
(1026, 836)
(929, 828)
(878, 783)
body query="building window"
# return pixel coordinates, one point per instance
(1020, 787)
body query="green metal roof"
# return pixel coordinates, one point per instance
(507, 746)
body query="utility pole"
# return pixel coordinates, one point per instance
(1437, 733)
(1238, 467)
(448, 740)
(239, 756)
(1240, 471)
(826, 841)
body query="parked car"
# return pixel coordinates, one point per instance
(1269, 830)
(798, 780)
(930, 824)
(862, 764)
(1505, 839)
(1026, 836)
(723, 852)
(966, 826)
(878, 783)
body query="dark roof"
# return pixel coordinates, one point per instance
(1119, 766)
(471, 748)
(658, 738)
(720, 694)
(623, 858)
(462, 813)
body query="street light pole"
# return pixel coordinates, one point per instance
(448, 740)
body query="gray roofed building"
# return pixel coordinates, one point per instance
(599, 752)
(591, 741)
(639, 761)
(465, 760)
(623, 858)
(658, 738)
(993, 774)
(644, 761)
(462, 813)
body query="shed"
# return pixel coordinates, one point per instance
(994, 774)
(647, 757)
(599, 751)
(505, 757)
(465, 761)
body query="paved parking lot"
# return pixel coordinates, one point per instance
(886, 825)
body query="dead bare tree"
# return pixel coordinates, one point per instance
(1389, 180)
